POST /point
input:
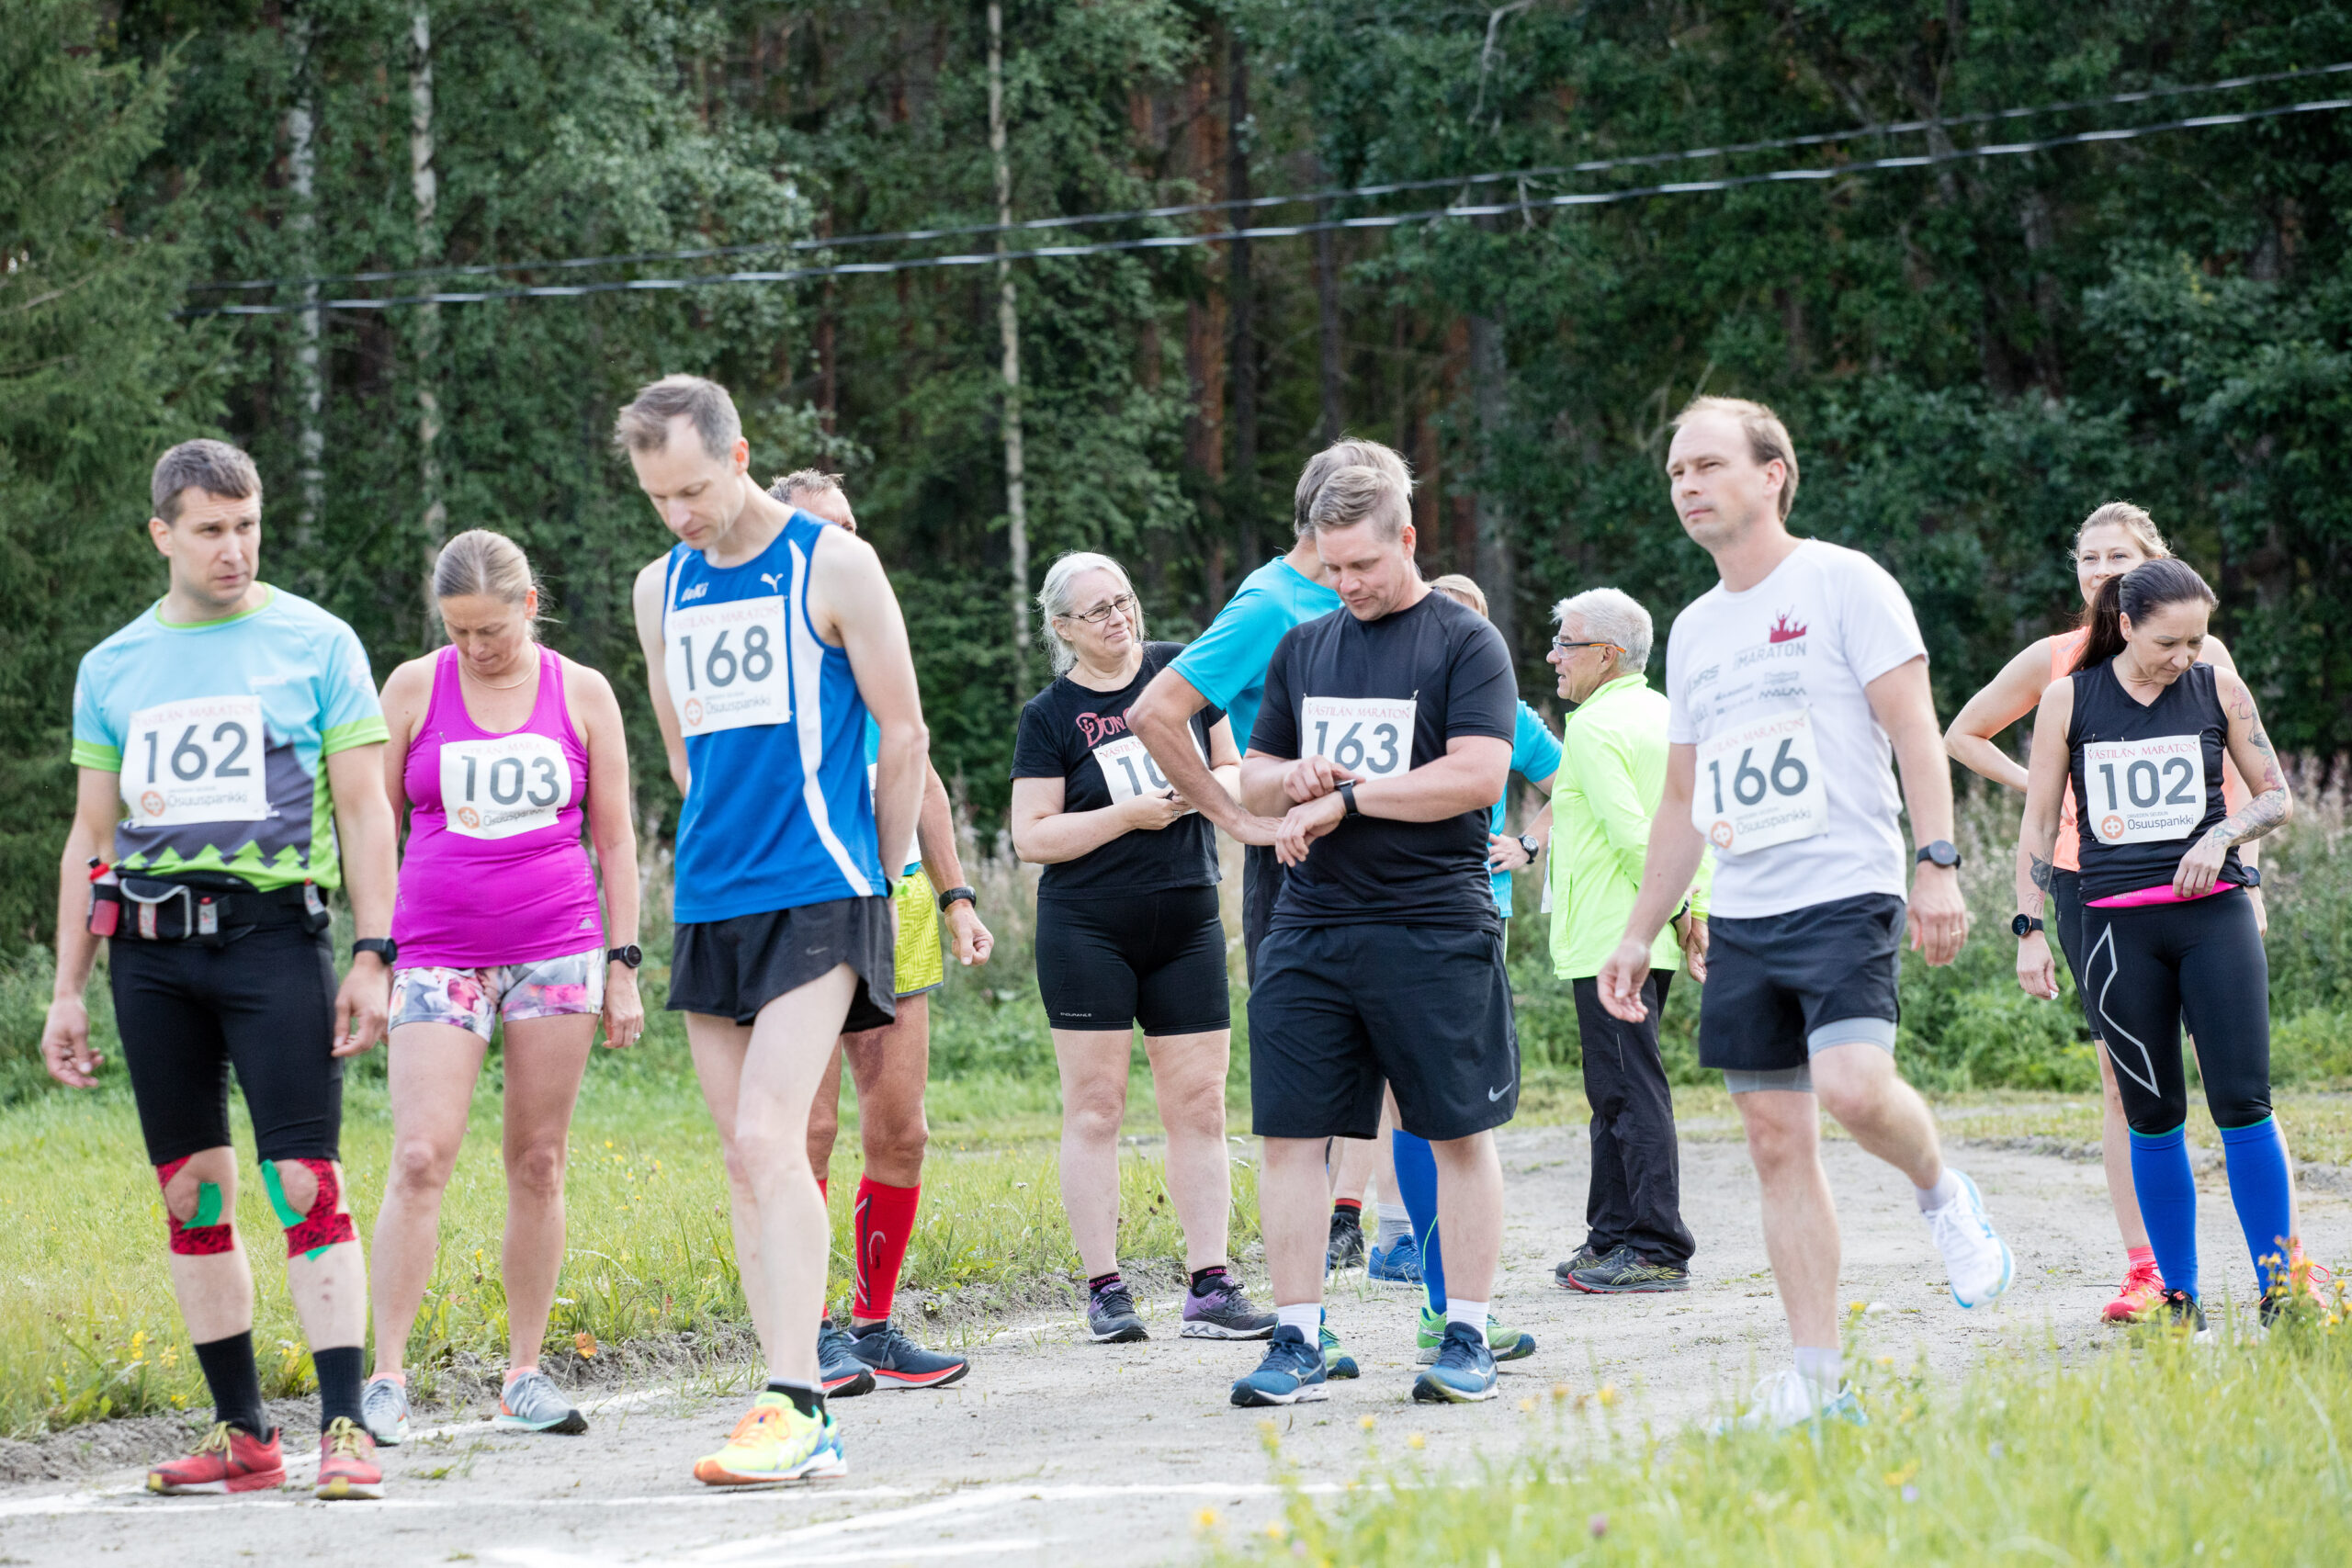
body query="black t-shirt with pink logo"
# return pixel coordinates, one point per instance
(1080, 735)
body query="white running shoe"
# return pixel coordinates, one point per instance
(383, 1410)
(1977, 1261)
(1789, 1399)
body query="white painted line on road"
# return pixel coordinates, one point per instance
(546, 1557)
(1019, 1329)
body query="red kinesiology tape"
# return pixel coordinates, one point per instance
(325, 1225)
(206, 1233)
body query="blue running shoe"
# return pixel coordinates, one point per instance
(898, 1358)
(1291, 1373)
(1338, 1361)
(1465, 1373)
(1399, 1263)
(838, 1367)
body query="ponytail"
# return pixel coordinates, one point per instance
(2148, 587)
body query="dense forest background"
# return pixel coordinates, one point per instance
(1971, 353)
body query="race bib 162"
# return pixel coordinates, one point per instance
(1759, 783)
(1370, 736)
(725, 665)
(196, 760)
(2143, 790)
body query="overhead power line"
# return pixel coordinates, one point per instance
(1283, 230)
(1394, 187)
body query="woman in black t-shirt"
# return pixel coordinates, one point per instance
(1128, 932)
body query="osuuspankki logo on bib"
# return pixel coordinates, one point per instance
(151, 803)
(469, 817)
(2111, 827)
(694, 712)
(1720, 834)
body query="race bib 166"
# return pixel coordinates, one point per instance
(1370, 736)
(2143, 791)
(1759, 783)
(196, 760)
(497, 788)
(725, 665)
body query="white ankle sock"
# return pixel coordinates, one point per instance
(1946, 1189)
(1472, 1314)
(1822, 1367)
(1306, 1318)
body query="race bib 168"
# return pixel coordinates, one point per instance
(1370, 736)
(2143, 791)
(1759, 783)
(196, 760)
(725, 665)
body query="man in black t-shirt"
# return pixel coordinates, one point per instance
(1383, 740)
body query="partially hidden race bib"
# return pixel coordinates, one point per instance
(1759, 783)
(1370, 736)
(725, 665)
(495, 789)
(2143, 791)
(196, 760)
(915, 853)
(1128, 770)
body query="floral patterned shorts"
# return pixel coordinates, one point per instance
(476, 1000)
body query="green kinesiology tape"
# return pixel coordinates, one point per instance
(287, 1214)
(208, 1204)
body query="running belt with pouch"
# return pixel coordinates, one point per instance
(151, 909)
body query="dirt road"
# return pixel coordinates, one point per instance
(1058, 1451)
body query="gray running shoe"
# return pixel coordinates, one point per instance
(838, 1366)
(533, 1403)
(1627, 1272)
(383, 1409)
(1112, 1318)
(1221, 1312)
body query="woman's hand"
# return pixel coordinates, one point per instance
(1150, 812)
(2036, 975)
(2200, 866)
(624, 1013)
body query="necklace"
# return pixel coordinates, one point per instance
(490, 686)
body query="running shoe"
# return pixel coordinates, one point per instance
(532, 1403)
(1624, 1272)
(1222, 1312)
(897, 1358)
(383, 1409)
(1112, 1318)
(2141, 1293)
(1507, 1344)
(1976, 1259)
(2183, 1311)
(1584, 1255)
(1463, 1371)
(1345, 1249)
(838, 1370)
(1398, 1264)
(346, 1463)
(1789, 1399)
(1338, 1361)
(228, 1459)
(775, 1442)
(1291, 1373)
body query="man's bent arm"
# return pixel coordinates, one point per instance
(1162, 719)
(1262, 783)
(1675, 848)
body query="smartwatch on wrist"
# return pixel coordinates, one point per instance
(1941, 852)
(383, 947)
(2024, 925)
(1348, 796)
(1534, 851)
(966, 894)
(631, 954)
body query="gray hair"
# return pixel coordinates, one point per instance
(1350, 453)
(1612, 615)
(1362, 494)
(1053, 600)
(643, 423)
(214, 466)
(804, 481)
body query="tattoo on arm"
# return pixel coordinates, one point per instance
(2040, 870)
(2259, 815)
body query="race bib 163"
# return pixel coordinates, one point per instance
(725, 665)
(1759, 783)
(196, 760)
(497, 788)
(1370, 736)
(2143, 790)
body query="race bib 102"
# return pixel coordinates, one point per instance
(495, 789)
(196, 760)
(1369, 735)
(725, 665)
(1759, 783)
(2143, 790)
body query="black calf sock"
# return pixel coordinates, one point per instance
(338, 1370)
(229, 1372)
(805, 1399)
(1204, 1277)
(1102, 1282)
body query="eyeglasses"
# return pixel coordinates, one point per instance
(1123, 605)
(1561, 645)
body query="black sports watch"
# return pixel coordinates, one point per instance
(2253, 874)
(1348, 797)
(966, 894)
(383, 947)
(630, 955)
(1534, 851)
(2022, 925)
(1941, 852)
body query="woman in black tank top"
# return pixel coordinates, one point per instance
(2168, 925)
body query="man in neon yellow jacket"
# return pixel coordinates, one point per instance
(1613, 771)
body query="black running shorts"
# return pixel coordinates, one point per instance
(1778, 986)
(262, 1003)
(1105, 962)
(734, 967)
(1339, 1009)
(1261, 884)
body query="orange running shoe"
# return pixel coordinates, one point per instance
(2141, 1291)
(228, 1459)
(347, 1463)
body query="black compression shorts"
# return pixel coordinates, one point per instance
(2147, 967)
(1111, 963)
(262, 1003)
(734, 967)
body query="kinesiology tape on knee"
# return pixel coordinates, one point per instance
(204, 1233)
(312, 1233)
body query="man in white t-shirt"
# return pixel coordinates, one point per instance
(1792, 682)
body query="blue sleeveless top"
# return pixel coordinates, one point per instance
(777, 814)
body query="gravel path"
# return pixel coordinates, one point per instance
(1058, 1451)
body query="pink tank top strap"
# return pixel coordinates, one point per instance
(449, 699)
(2065, 648)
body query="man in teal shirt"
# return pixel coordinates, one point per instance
(1613, 771)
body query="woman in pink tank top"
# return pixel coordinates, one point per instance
(2110, 542)
(500, 751)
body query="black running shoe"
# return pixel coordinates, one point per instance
(1345, 1249)
(894, 1357)
(838, 1367)
(1585, 1257)
(2182, 1310)
(1112, 1318)
(1626, 1272)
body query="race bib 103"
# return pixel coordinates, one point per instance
(2143, 790)
(1759, 783)
(495, 789)
(725, 665)
(1370, 736)
(196, 760)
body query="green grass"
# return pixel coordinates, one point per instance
(2154, 1452)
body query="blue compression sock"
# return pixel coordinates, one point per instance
(1416, 1187)
(2168, 1203)
(2262, 1191)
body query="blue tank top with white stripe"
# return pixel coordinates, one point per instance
(777, 814)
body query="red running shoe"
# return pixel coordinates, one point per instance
(347, 1463)
(2142, 1291)
(228, 1459)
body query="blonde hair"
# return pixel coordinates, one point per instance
(1362, 494)
(1054, 601)
(804, 481)
(2134, 519)
(1350, 452)
(480, 563)
(1461, 587)
(1768, 438)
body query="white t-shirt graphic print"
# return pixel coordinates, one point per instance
(1792, 656)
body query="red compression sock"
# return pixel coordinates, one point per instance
(885, 1224)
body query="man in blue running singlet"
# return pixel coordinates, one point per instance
(769, 636)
